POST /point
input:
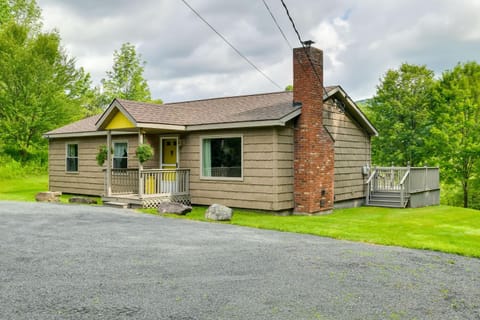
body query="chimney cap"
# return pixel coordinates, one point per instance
(308, 43)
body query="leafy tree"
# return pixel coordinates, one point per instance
(126, 80)
(289, 88)
(23, 12)
(401, 111)
(40, 88)
(457, 133)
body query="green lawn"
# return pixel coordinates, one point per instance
(22, 188)
(25, 189)
(441, 228)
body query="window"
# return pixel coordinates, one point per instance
(222, 157)
(72, 157)
(120, 155)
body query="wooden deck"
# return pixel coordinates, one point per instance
(403, 187)
(149, 201)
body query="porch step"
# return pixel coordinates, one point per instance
(387, 199)
(119, 205)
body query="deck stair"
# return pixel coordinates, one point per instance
(113, 204)
(391, 199)
(399, 187)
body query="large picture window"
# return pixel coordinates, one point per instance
(222, 157)
(120, 155)
(72, 157)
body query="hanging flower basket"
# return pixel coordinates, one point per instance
(144, 152)
(102, 154)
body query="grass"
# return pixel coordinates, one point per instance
(22, 188)
(25, 188)
(439, 228)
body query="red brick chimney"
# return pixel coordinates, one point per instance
(314, 150)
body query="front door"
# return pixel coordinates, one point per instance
(169, 161)
(169, 153)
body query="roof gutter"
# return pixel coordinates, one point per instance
(85, 134)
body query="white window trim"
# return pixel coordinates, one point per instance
(220, 136)
(113, 153)
(66, 156)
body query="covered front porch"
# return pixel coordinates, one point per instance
(132, 180)
(146, 188)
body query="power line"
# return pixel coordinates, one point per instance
(276, 23)
(231, 45)
(283, 34)
(303, 45)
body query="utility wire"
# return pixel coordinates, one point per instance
(303, 45)
(283, 34)
(276, 23)
(231, 45)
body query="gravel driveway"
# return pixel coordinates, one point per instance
(83, 262)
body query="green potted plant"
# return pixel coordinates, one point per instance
(144, 152)
(102, 154)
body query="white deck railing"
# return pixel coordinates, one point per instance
(164, 182)
(404, 180)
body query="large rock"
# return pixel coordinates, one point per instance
(173, 207)
(48, 196)
(82, 200)
(219, 212)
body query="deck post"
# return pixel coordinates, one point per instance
(109, 163)
(425, 179)
(409, 183)
(140, 167)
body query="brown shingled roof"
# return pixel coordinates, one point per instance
(247, 108)
(258, 107)
(84, 125)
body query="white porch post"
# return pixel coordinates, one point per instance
(140, 167)
(109, 163)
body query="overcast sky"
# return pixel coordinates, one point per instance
(186, 60)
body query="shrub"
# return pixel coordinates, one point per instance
(10, 168)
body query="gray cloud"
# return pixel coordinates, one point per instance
(186, 60)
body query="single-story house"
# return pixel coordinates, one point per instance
(304, 151)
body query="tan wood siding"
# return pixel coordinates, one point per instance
(352, 152)
(267, 182)
(89, 180)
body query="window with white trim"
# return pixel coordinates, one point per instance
(222, 157)
(71, 159)
(120, 155)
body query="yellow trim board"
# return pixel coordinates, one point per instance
(119, 121)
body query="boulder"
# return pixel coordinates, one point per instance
(48, 196)
(219, 212)
(82, 200)
(173, 207)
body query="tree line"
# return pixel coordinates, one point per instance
(424, 120)
(41, 88)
